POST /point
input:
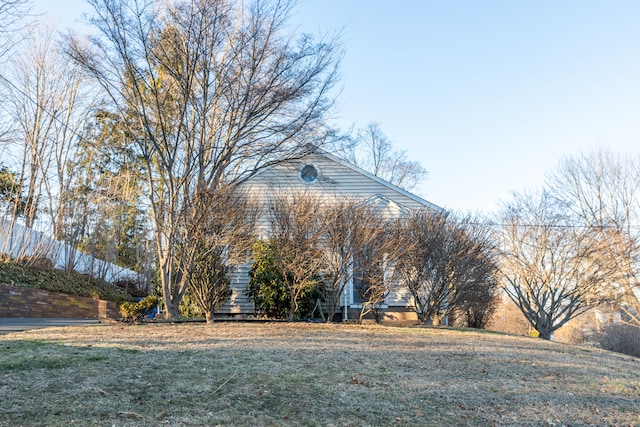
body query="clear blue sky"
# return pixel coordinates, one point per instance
(487, 95)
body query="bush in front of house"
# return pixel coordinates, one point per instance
(268, 289)
(621, 338)
(136, 311)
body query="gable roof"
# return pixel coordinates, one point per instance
(384, 204)
(381, 199)
(379, 180)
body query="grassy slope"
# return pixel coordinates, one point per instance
(306, 374)
(15, 274)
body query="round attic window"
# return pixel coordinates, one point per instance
(308, 174)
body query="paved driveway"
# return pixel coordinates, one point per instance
(13, 325)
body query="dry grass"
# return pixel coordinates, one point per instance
(305, 374)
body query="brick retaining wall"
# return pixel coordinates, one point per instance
(25, 302)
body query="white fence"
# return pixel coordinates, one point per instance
(19, 241)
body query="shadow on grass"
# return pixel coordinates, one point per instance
(304, 375)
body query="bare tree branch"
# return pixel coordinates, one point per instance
(11, 14)
(445, 263)
(372, 151)
(213, 92)
(552, 270)
(224, 241)
(602, 191)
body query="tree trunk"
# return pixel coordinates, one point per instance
(332, 308)
(292, 307)
(170, 311)
(544, 333)
(544, 330)
(435, 320)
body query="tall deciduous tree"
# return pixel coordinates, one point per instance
(213, 91)
(601, 190)
(49, 100)
(372, 151)
(552, 268)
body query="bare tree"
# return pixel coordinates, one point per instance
(11, 14)
(373, 151)
(478, 302)
(296, 234)
(49, 102)
(446, 263)
(375, 251)
(213, 91)
(350, 227)
(602, 191)
(224, 241)
(340, 228)
(552, 268)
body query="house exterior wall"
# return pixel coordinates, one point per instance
(336, 179)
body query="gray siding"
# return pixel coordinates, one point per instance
(336, 179)
(239, 303)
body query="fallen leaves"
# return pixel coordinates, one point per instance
(129, 414)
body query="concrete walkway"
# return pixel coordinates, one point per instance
(22, 324)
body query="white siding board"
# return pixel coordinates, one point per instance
(239, 303)
(336, 179)
(399, 297)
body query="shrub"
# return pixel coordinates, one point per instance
(266, 284)
(136, 311)
(133, 287)
(268, 289)
(189, 307)
(37, 262)
(70, 283)
(621, 338)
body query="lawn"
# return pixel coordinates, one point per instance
(272, 374)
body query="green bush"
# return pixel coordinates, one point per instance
(266, 284)
(70, 283)
(269, 291)
(189, 307)
(135, 311)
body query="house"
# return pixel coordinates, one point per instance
(333, 178)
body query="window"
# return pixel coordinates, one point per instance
(368, 278)
(308, 174)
